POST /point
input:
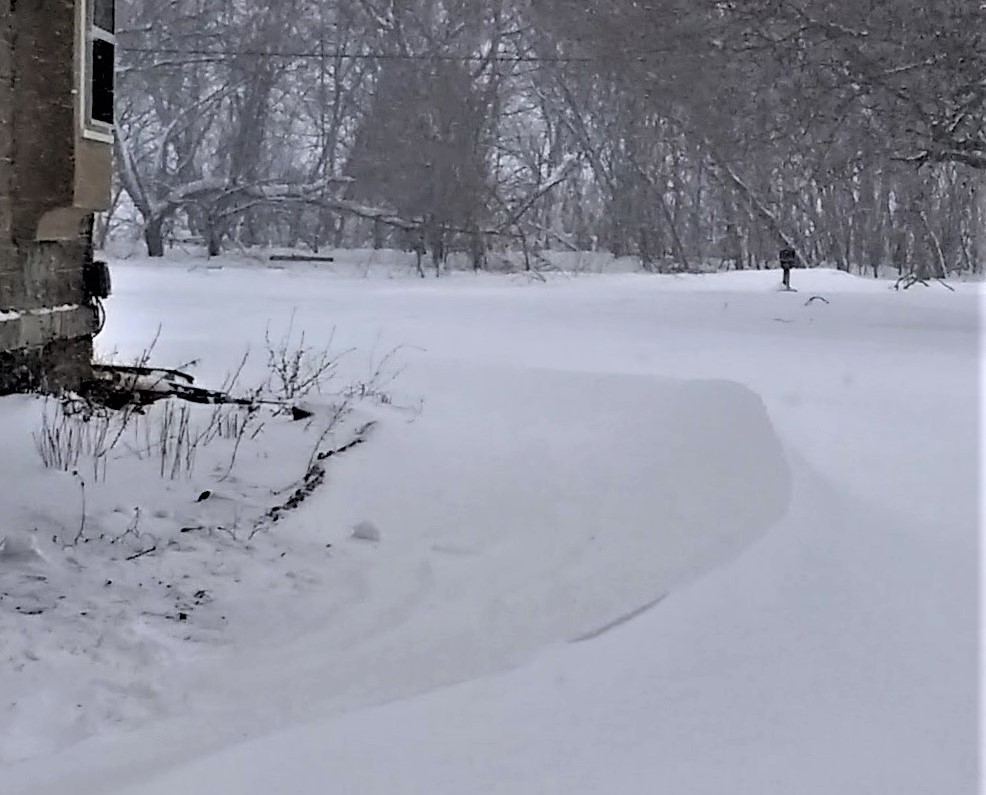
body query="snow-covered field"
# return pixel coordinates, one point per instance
(620, 533)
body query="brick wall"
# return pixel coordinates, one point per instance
(9, 277)
(37, 175)
(44, 120)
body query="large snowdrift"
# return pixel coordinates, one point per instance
(797, 669)
(523, 508)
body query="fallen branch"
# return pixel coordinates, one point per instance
(141, 554)
(358, 440)
(300, 258)
(908, 281)
(313, 479)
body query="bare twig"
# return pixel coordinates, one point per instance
(81, 534)
(143, 552)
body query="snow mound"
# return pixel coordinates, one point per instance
(130, 570)
(525, 508)
(792, 670)
(589, 495)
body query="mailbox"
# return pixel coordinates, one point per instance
(788, 259)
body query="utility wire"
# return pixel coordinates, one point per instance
(381, 56)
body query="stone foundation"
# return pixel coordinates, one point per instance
(61, 365)
(46, 324)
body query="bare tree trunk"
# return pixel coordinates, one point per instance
(154, 235)
(900, 253)
(941, 267)
(213, 236)
(102, 228)
(476, 248)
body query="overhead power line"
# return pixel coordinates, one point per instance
(217, 54)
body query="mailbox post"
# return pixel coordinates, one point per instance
(789, 260)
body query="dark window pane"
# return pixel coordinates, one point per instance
(104, 14)
(101, 87)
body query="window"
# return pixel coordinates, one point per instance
(104, 15)
(100, 57)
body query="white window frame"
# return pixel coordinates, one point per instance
(93, 129)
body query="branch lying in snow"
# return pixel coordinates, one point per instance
(314, 477)
(909, 280)
(358, 440)
(141, 554)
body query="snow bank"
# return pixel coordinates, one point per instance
(112, 573)
(588, 495)
(523, 508)
(797, 669)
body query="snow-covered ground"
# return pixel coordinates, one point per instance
(620, 533)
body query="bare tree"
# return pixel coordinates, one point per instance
(675, 130)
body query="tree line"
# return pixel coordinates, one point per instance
(681, 132)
